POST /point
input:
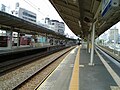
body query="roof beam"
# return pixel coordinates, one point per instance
(65, 15)
(68, 20)
(88, 13)
(61, 3)
(98, 11)
(63, 11)
(81, 9)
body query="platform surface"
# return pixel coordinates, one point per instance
(4, 50)
(61, 76)
(94, 77)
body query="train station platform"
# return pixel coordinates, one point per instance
(94, 77)
(20, 48)
(61, 76)
(14, 48)
(75, 73)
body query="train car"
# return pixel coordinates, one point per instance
(25, 40)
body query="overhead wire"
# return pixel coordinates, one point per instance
(34, 6)
(47, 5)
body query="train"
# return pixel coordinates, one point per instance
(23, 41)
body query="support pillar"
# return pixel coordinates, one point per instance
(46, 37)
(9, 34)
(18, 39)
(53, 41)
(43, 41)
(88, 46)
(92, 49)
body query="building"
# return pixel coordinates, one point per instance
(61, 28)
(47, 21)
(113, 35)
(119, 39)
(2, 8)
(24, 14)
(27, 15)
(55, 25)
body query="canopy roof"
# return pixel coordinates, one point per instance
(80, 14)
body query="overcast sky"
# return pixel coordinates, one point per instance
(116, 26)
(42, 8)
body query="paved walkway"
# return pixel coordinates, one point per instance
(94, 77)
(61, 77)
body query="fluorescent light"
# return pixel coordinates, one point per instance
(74, 1)
(79, 23)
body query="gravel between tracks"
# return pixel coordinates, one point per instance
(14, 78)
(39, 77)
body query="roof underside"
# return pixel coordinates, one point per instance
(79, 15)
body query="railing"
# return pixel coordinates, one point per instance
(112, 52)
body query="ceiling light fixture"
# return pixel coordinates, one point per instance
(79, 23)
(74, 1)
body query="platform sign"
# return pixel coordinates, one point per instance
(106, 4)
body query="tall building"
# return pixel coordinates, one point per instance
(113, 35)
(27, 15)
(119, 39)
(61, 28)
(55, 25)
(24, 14)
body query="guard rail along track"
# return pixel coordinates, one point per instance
(106, 50)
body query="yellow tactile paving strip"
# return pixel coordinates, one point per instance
(74, 83)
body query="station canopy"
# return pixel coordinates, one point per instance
(80, 14)
(11, 23)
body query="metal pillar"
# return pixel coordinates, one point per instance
(18, 39)
(11, 40)
(43, 41)
(9, 34)
(53, 41)
(92, 49)
(46, 40)
(88, 44)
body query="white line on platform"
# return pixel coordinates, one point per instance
(82, 66)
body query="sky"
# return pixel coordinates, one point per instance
(116, 26)
(43, 8)
(106, 33)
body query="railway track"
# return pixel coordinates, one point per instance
(30, 76)
(9, 65)
(109, 52)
